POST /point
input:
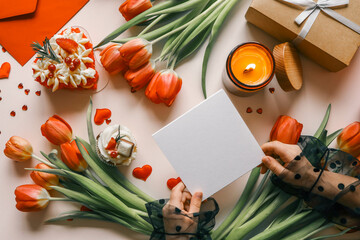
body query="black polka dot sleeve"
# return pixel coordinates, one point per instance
(327, 179)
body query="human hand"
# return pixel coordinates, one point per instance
(274, 149)
(301, 174)
(177, 222)
(183, 199)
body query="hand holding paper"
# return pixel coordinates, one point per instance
(210, 146)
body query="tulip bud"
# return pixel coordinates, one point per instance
(45, 180)
(56, 130)
(286, 130)
(18, 149)
(138, 78)
(136, 52)
(31, 198)
(131, 8)
(111, 59)
(164, 87)
(71, 156)
(349, 139)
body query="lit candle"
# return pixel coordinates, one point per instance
(249, 68)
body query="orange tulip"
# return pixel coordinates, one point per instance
(349, 139)
(286, 130)
(111, 59)
(164, 87)
(56, 130)
(131, 8)
(136, 52)
(45, 180)
(138, 78)
(18, 149)
(71, 156)
(31, 198)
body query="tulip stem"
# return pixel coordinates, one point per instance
(195, 21)
(173, 62)
(192, 26)
(140, 213)
(157, 20)
(169, 33)
(280, 227)
(60, 199)
(222, 230)
(333, 235)
(240, 231)
(43, 161)
(307, 231)
(89, 174)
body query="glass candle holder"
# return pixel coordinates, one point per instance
(249, 68)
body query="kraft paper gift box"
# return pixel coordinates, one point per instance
(329, 43)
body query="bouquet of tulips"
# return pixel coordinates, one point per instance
(257, 204)
(103, 192)
(185, 24)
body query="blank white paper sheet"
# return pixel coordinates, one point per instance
(209, 146)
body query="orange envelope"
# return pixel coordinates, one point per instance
(23, 22)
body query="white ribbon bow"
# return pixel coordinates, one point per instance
(312, 10)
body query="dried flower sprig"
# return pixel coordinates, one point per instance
(46, 51)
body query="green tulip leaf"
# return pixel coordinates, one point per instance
(322, 136)
(128, 197)
(323, 123)
(180, 7)
(332, 137)
(77, 215)
(193, 46)
(213, 36)
(57, 172)
(90, 128)
(136, 20)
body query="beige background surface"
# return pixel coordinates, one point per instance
(100, 17)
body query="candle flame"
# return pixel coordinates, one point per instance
(249, 68)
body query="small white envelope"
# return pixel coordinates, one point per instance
(210, 146)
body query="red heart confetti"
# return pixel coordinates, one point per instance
(101, 115)
(85, 209)
(271, 90)
(249, 110)
(172, 182)
(5, 70)
(142, 172)
(259, 111)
